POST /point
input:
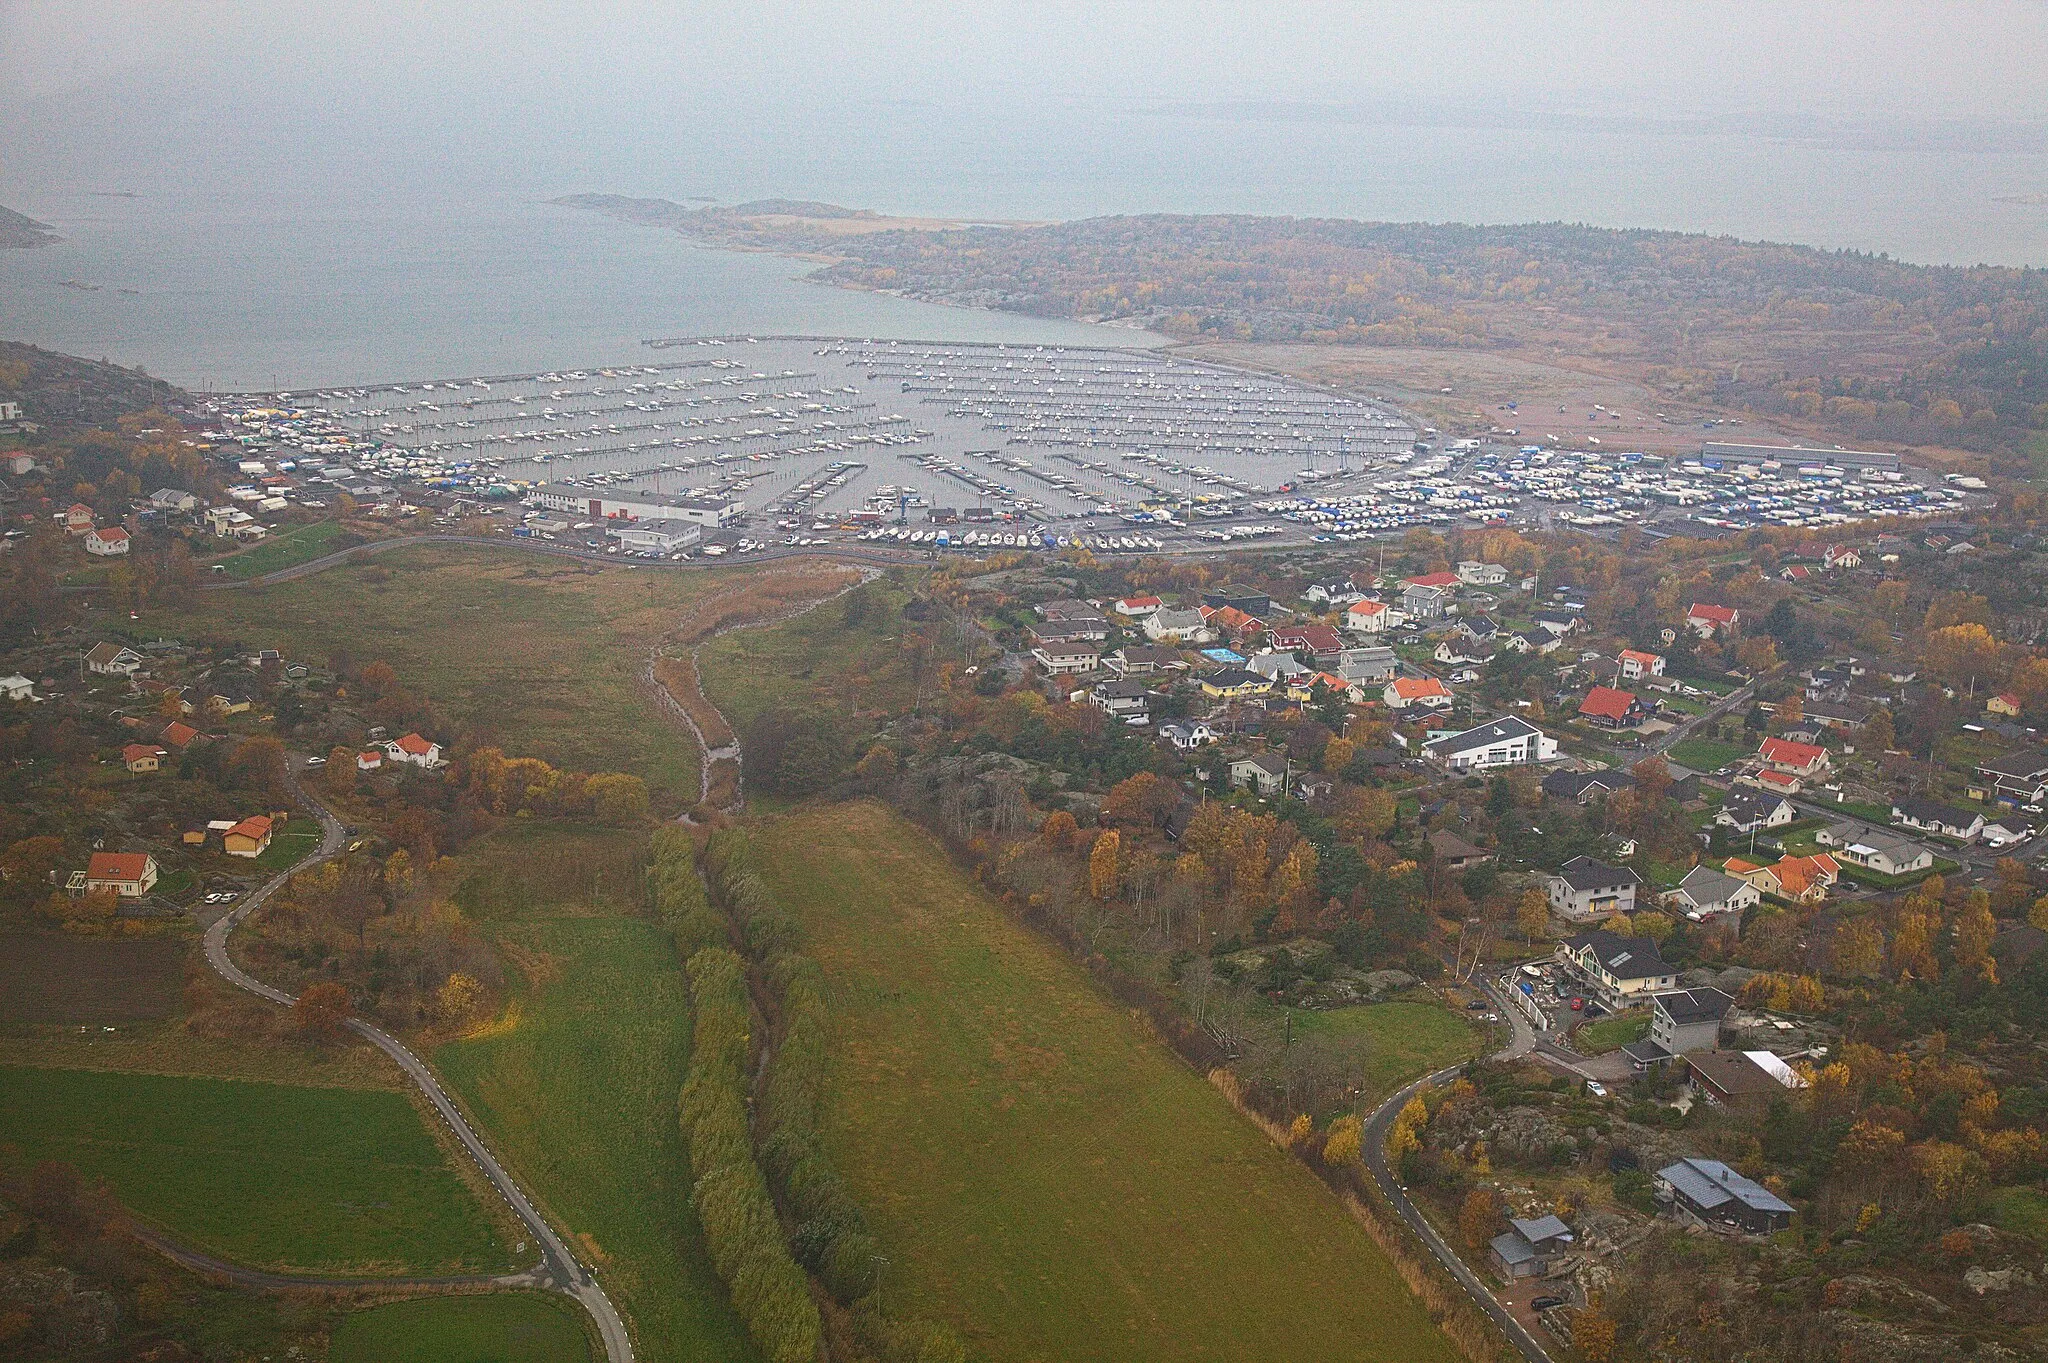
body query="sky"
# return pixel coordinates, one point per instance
(1025, 109)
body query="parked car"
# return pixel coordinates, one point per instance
(1545, 1303)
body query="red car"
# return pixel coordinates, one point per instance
(1578, 1005)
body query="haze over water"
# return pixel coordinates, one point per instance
(347, 193)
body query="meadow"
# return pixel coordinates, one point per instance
(293, 547)
(813, 662)
(577, 1086)
(1706, 754)
(1044, 1174)
(540, 658)
(525, 1327)
(311, 1180)
(1404, 1039)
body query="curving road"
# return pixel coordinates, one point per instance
(562, 1267)
(1377, 1129)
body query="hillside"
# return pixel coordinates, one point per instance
(18, 229)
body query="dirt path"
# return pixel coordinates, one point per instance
(220, 1270)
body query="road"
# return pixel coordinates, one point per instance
(1377, 1129)
(567, 1274)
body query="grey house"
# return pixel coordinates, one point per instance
(1709, 1193)
(1706, 892)
(1264, 772)
(1584, 889)
(1528, 1247)
(1680, 1021)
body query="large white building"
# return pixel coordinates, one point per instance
(635, 506)
(1505, 742)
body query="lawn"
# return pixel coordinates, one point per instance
(540, 658)
(289, 846)
(316, 1180)
(1406, 1039)
(524, 1327)
(2023, 1211)
(1611, 1033)
(577, 1087)
(302, 545)
(1705, 754)
(1041, 1172)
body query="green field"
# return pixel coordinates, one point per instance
(812, 661)
(302, 545)
(1611, 1033)
(541, 658)
(578, 1087)
(311, 1180)
(1042, 1173)
(503, 1328)
(1405, 1039)
(2023, 1211)
(289, 846)
(1705, 754)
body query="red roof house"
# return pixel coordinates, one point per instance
(1801, 759)
(1612, 709)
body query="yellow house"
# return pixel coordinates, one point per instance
(249, 837)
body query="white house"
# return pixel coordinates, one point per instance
(1482, 574)
(1636, 664)
(1931, 816)
(1368, 617)
(17, 687)
(1505, 742)
(1169, 624)
(1707, 621)
(1886, 855)
(112, 660)
(1062, 660)
(1185, 736)
(662, 536)
(1264, 772)
(415, 751)
(1706, 893)
(110, 542)
(1584, 889)
(1426, 692)
(1137, 607)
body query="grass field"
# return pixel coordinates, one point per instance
(289, 846)
(553, 869)
(1042, 1173)
(811, 662)
(577, 1087)
(1406, 1039)
(524, 1327)
(333, 1181)
(1706, 754)
(302, 545)
(51, 977)
(1611, 1033)
(541, 658)
(2023, 1211)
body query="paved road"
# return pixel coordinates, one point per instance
(1377, 1129)
(561, 1266)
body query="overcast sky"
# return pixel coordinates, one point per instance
(1953, 59)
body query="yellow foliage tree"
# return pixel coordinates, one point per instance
(1344, 1146)
(1103, 868)
(458, 997)
(1300, 1129)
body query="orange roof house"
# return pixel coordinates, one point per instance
(1613, 709)
(1402, 692)
(1433, 580)
(247, 838)
(1707, 621)
(178, 734)
(128, 874)
(141, 757)
(1801, 759)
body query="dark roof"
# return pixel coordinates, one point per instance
(1708, 1183)
(1733, 1073)
(1272, 763)
(1451, 847)
(1746, 803)
(1121, 688)
(1933, 811)
(1572, 785)
(2028, 762)
(1224, 678)
(1584, 873)
(1625, 958)
(1694, 1005)
(1487, 734)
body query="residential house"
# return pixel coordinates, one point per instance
(1748, 811)
(1636, 664)
(1482, 574)
(1137, 607)
(1584, 890)
(1321, 642)
(112, 660)
(1064, 660)
(1121, 697)
(1419, 602)
(1705, 893)
(1840, 556)
(77, 519)
(370, 759)
(1612, 709)
(1368, 617)
(248, 838)
(1844, 716)
(17, 687)
(173, 499)
(1805, 760)
(1231, 623)
(1423, 692)
(1264, 773)
(142, 757)
(1707, 621)
(1932, 816)
(109, 542)
(1071, 629)
(1739, 1079)
(1682, 1021)
(1803, 880)
(1557, 624)
(131, 875)
(1617, 972)
(1771, 781)
(179, 735)
(1310, 788)
(1454, 852)
(1508, 741)
(414, 751)
(2016, 778)
(1709, 1193)
(1187, 736)
(1238, 598)
(1331, 594)
(1142, 660)
(2004, 703)
(1886, 854)
(1529, 1247)
(1279, 667)
(1583, 787)
(2007, 830)
(1368, 666)
(1171, 625)
(1447, 581)
(1235, 683)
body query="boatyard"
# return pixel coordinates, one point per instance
(807, 440)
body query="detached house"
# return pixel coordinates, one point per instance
(1423, 692)
(1482, 574)
(1746, 811)
(1319, 641)
(77, 519)
(1529, 1247)
(142, 757)
(1710, 1194)
(248, 838)
(1636, 664)
(2017, 778)
(130, 875)
(1612, 709)
(1508, 741)
(415, 751)
(1932, 816)
(110, 542)
(1707, 621)
(1264, 773)
(1235, 683)
(1887, 855)
(1616, 971)
(1804, 760)
(1583, 890)
(1706, 893)
(1061, 660)
(112, 660)
(1171, 625)
(1367, 617)
(1681, 1022)
(1121, 697)
(1803, 880)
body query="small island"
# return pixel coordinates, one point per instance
(18, 229)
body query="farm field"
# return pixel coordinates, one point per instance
(1407, 1039)
(311, 1180)
(1043, 1174)
(49, 977)
(577, 1086)
(539, 657)
(525, 1327)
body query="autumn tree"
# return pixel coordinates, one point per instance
(1479, 1216)
(1337, 755)
(1141, 800)
(1345, 1144)
(321, 1011)
(1532, 915)
(1059, 831)
(458, 997)
(617, 798)
(1102, 865)
(1593, 1332)
(1857, 948)
(1973, 933)
(340, 774)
